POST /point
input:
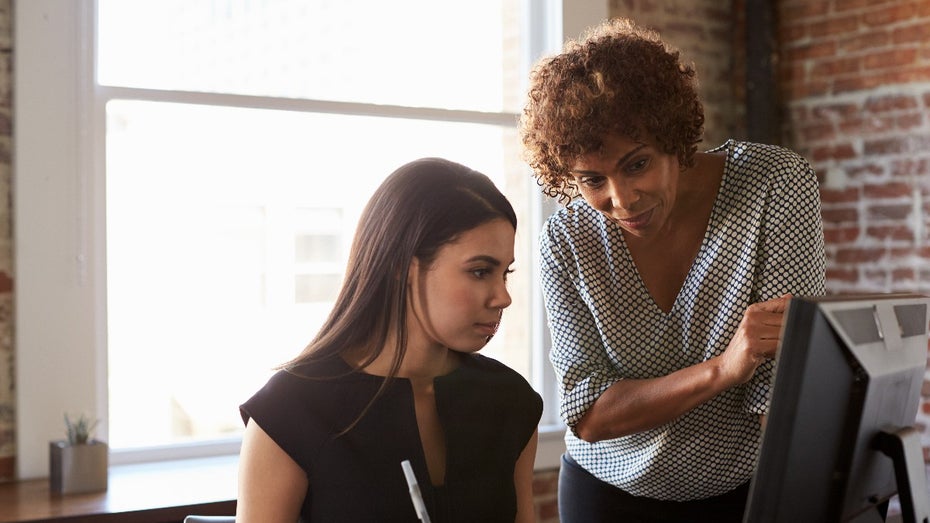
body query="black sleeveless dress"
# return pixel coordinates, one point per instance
(487, 410)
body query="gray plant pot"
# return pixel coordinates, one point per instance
(78, 468)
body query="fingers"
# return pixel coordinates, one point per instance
(757, 337)
(775, 305)
(762, 324)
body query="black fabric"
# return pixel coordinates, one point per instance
(487, 410)
(585, 499)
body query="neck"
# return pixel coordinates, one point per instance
(421, 360)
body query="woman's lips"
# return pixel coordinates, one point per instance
(640, 221)
(488, 329)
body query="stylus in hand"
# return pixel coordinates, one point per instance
(415, 495)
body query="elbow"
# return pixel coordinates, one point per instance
(586, 430)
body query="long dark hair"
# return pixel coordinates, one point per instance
(420, 207)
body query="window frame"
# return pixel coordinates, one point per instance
(59, 220)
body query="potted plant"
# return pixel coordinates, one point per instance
(79, 463)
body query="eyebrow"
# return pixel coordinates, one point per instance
(621, 161)
(487, 259)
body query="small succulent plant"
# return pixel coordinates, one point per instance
(80, 429)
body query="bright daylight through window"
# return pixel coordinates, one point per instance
(242, 139)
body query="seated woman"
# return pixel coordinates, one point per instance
(394, 374)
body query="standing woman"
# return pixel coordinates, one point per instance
(394, 373)
(665, 282)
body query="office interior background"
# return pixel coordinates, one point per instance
(846, 83)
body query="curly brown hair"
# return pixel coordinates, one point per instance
(619, 78)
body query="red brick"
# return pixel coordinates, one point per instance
(834, 25)
(845, 5)
(888, 190)
(845, 195)
(910, 167)
(918, 33)
(840, 235)
(842, 151)
(908, 122)
(893, 102)
(818, 132)
(791, 33)
(811, 51)
(839, 215)
(859, 255)
(865, 170)
(836, 110)
(792, 13)
(867, 125)
(839, 66)
(865, 41)
(545, 483)
(894, 58)
(844, 275)
(891, 232)
(895, 12)
(548, 510)
(908, 75)
(885, 146)
(890, 212)
(800, 90)
(857, 83)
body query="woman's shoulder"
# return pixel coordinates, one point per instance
(571, 224)
(305, 381)
(484, 369)
(765, 165)
(761, 155)
(484, 384)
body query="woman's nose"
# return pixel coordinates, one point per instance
(501, 299)
(622, 195)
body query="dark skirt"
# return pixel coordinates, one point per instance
(585, 499)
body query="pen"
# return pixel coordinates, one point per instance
(415, 495)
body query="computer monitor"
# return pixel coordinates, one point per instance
(840, 440)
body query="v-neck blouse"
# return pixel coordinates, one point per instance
(487, 410)
(764, 238)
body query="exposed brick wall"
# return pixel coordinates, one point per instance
(545, 491)
(703, 30)
(7, 399)
(855, 80)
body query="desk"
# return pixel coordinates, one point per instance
(148, 493)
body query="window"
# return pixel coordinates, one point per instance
(183, 215)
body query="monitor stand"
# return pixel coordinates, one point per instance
(903, 447)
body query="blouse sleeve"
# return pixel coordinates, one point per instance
(581, 365)
(791, 249)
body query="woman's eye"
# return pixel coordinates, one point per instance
(480, 273)
(592, 182)
(638, 165)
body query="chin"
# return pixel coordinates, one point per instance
(469, 349)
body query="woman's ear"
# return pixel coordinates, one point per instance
(413, 270)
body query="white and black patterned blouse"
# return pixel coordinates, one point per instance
(764, 239)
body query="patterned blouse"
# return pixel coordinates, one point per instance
(764, 239)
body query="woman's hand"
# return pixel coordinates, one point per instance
(755, 340)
